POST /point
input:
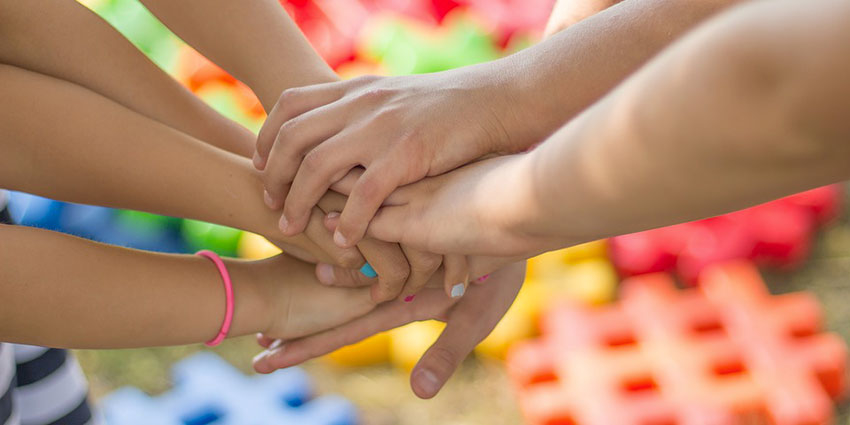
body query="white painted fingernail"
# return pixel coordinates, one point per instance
(458, 290)
(261, 356)
(278, 343)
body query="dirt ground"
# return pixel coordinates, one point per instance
(480, 392)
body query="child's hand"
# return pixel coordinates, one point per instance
(297, 304)
(468, 322)
(474, 210)
(401, 129)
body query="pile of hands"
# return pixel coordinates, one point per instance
(392, 168)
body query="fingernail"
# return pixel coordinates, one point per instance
(333, 214)
(428, 382)
(325, 273)
(261, 356)
(268, 199)
(340, 240)
(276, 345)
(368, 271)
(258, 161)
(458, 290)
(483, 278)
(409, 298)
(284, 223)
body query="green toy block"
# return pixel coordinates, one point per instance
(201, 235)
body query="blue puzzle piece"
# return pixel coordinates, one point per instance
(208, 390)
(35, 211)
(86, 221)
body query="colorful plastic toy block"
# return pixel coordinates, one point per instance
(405, 46)
(510, 17)
(725, 353)
(371, 351)
(255, 247)
(201, 235)
(208, 390)
(777, 234)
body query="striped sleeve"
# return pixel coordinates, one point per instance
(50, 388)
(8, 413)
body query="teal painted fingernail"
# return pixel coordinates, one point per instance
(368, 271)
(458, 290)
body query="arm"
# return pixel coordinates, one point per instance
(62, 291)
(264, 48)
(52, 38)
(98, 152)
(402, 129)
(749, 108)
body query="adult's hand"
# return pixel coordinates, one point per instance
(468, 322)
(401, 129)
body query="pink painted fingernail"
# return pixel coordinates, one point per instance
(409, 298)
(483, 278)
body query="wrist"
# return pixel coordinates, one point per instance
(252, 295)
(512, 210)
(527, 113)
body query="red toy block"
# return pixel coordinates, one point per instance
(726, 353)
(778, 234)
(509, 17)
(824, 202)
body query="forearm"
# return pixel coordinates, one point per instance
(62, 291)
(263, 48)
(100, 153)
(561, 76)
(743, 111)
(65, 40)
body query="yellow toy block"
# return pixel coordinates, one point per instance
(520, 322)
(255, 247)
(554, 262)
(409, 342)
(590, 281)
(371, 351)
(586, 251)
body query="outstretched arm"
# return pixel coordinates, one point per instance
(63, 291)
(65, 40)
(749, 108)
(264, 48)
(403, 129)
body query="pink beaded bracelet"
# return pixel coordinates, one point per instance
(228, 293)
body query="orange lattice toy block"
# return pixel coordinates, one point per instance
(727, 353)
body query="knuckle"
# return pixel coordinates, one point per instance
(376, 94)
(313, 161)
(287, 97)
(287, 128)
(444, 358)
(426, 264)
(398, 273)
(369, 189)
(349, 259)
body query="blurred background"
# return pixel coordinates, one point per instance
(801, 243)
